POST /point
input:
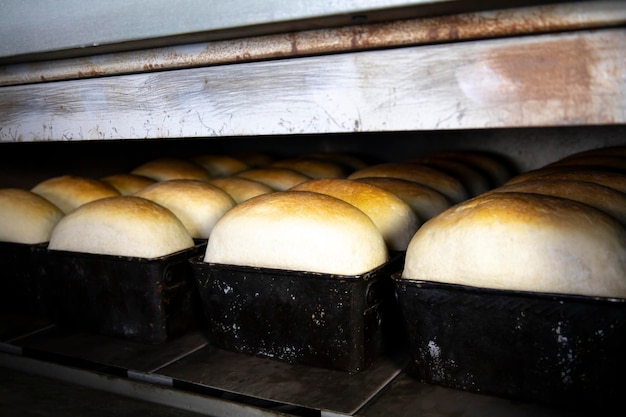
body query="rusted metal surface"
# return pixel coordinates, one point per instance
(564, 79)
(481, 25)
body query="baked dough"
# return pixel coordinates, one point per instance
(520, 241)
(68, 192)
(598, 161)
(220, 165)
(422, 174)
(474, 180)
(163, 169)
(425, 201)
(241, 189)
(394, 218)
(495, 165)
(299, 231)
(123, 225)
(254, 159)
(608, 178)
(607, 199)
(198, 204)
(280, 179)
(312, 167)
(128, 184)
(26, 217)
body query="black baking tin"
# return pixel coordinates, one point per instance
(324, 320)
(148, 300)
(23, 289)
(564, 350)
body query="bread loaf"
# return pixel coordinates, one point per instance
(394, 218)
(425, 201)
(607, 199)
(297, 230)
(254, 159)
(494, 165)
(197, 204)
(26, 217)
(128, 184)
(312, 167)
(617, 163)
(474, 180)
(446, 184)
(68, 192)
(519, 241)
(280, 179)
(608, 178)
(220, 165)
(241, 189)
(163, 169)
(123, 225)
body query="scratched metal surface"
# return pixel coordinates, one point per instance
(404, 32)
(560, 79)
(29, 31)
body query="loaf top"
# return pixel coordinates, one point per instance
(298, 230)
(68, 192)
(123, 225)
(519, 241)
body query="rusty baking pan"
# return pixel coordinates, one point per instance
(563, 350)
(329, 321)
(23, 289)
(144, 300)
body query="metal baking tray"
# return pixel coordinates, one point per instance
(330, 321)
(564, 350)
(23, 290)
(140, 299)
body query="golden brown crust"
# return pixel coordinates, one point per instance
(596, 161)
(473, 180)
(254, 159)
(68, 192)
(122, 225)
(163, 169)
(26, 217)
(422, 174)
(298, 230)
(394, 218)
(241, 189)
(280, 179)
(197, 204)
(608, 178)
(220, 165)
(494, 165)
(522, 241)
(128, 184)
(607, 199)
(425, 201)
(312, 167)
